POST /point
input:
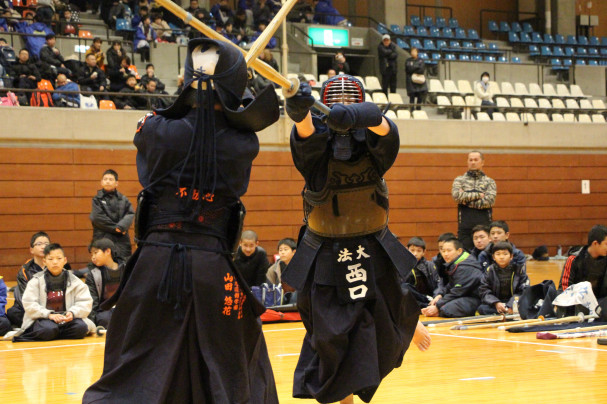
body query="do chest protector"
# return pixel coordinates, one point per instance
(353, 202)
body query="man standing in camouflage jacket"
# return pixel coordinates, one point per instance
(475, 195)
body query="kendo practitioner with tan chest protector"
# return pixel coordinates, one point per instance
(358, 321)
(186, 328)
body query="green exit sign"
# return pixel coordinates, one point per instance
(330, 37)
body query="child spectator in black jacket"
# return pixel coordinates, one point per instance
(460, 278)
(503, 281)
(251, 260)
(103, 279)
(423, 280)
(112, 215)
(34, 265)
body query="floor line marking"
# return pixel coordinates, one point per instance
(550, 351)
(289, 354)
(285, 329)
(519, 342)
(51, 346)
(479, 378)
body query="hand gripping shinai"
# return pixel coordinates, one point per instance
(289, 87)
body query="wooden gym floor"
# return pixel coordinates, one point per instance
(476, 366)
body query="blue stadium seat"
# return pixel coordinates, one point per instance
(582, 40)
(416, 43)
(464, 58)
(490, 58)
(558, 51)
(567, 62)
(504, 26)
(176, 30)
(516, 59)
(582, 51)
(534, 51)
(453, 23)
(436, 57)
(515, 27)
(123, 25)
(381, 28)
(571, 40)
(502, 59)
(423, 56)
(548, 39)
(527, 28)
(593, 62)
(441, 22)
(493, 27)
(513, 37)
(408, 30)
(460, 33)
(594, 52)
(415, 21)
(569, 51)
(604, 41)
(492, 46)
(428, 21)
(580, 62)
(401, 43)
(481, 46)
(603, 51)
(476, 58)
(555, 62)
(525, 37)
(545, 51)
(467, 46)
(449, 56)
(440, 44)
(429, 45)
(536, 38)
(559, 39)
(603, 62)
(447, 32)
(395, 29)
(422, 31)
(434, 32)
(454, 44)
(595, 41)
(472, 34)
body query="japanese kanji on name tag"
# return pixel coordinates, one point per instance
(354, 271)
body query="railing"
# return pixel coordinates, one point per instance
(295, 29)
(422, 9)
(516, 15)
(101, 94)
(353, 18)
(53, 25)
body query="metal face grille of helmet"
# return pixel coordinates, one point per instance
(343, 89)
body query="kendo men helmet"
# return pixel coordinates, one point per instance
(344, 89)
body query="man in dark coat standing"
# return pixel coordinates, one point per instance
(387, 64)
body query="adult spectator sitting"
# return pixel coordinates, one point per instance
(261, 27)
(475, 195)
(417, 88)
(325, 13)
(45, 11)
(91, 78)
(331, 73)
(153, 103)
(262, 12)
(482, 90)
(387, 64)
(130, 101)
(95, 49)
(25, 74)
(228, 33)
(115, 55)
(120, 73)
(222, 12)
(50, 55)
(60, 99)
(162, 28)
(241, 26)
(119, 10)
(144, 36)
(340, 64)
(150, 75)
(267, 57)
(139, 17)
(301, 12)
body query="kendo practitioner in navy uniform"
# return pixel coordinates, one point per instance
(186, 328)
(359, 322)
